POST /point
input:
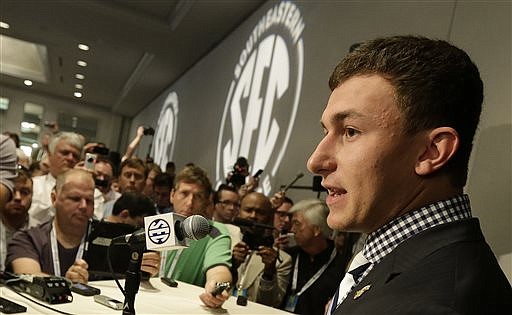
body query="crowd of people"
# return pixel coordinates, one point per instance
(394, 161)
(46, 222)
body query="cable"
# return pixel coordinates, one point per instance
(38, 303)
(111, 269)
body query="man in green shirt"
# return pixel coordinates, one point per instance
(205, 262)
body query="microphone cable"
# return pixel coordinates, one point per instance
(34, 301)
(111, 269)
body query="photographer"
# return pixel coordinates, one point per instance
(262, 271)
(240, 178)
(141, 132)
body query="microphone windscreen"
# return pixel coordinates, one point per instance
(299, 175)
(196, 227)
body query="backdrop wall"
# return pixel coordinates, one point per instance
(260, 93)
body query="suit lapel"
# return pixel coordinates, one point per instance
(409, 253)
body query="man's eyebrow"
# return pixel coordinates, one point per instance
(341, 116)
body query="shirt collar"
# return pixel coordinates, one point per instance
(383, 241)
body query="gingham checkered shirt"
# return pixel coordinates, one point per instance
(383, 241)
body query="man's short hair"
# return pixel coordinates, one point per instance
(315, 211)
(74, 172)
(23, 176)
(134, 162)
(163, 180)
(436, 84)
(150, 166)
(194, 175)
(72, 138)
(216, 195)
(137, 204)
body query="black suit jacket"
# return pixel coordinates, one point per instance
(448, 269)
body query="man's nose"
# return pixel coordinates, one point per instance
(17, 195)
(83, 203)
(322, 159)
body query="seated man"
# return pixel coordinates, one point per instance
(317, 262)
(15, 215)
(7, 169)
(262, 271)
(64, 154)
(31, 251)
(162, 187)
(205, 262)
(226, 204)
(130, 209)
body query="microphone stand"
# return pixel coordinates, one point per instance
(132, 281)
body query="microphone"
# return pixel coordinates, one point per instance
(299, 175)
(251, 224)
(166, 231)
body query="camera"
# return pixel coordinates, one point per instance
(149, 131)
(90, 160)
(255, 240)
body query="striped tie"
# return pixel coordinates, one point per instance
(357, 267)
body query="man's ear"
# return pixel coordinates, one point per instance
(53, 197)
(441, 145)
(124, 213)
(171, 196)
(316, 230)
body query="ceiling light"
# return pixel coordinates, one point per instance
(79, 86)
(79, 76)
(4, 25)
(77, 94)
(81, 63)
(27, 82)
(83, 47)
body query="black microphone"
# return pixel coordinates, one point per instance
(249, 223)
(193, 227)
(299, 175)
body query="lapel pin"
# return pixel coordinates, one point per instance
(362, 291)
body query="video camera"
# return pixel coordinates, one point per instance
(255, 240)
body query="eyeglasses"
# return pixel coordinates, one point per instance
(283, 214)
(230, 203)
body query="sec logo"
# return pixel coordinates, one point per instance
(165, 133)
(159, 231)
(263, 98)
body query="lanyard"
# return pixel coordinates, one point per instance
(3, 245)
(55, 251)
(175, 259)
(315, 276)
(243, 271)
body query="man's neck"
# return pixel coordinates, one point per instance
(14, 223)
(315, 247)
(67, 237)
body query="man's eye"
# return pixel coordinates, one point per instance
(351, 132)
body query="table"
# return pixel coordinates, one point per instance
(153, 297)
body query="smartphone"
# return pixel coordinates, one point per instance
(170, 282)
(109, 302)
(85, 289)
(90, 160)
(221, 287)
(258, 173)
(10, 307)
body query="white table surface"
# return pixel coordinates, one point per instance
(156, 298)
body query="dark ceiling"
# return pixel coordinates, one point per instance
(137, 48)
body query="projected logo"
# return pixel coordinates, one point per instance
(165, 133)
(264, 95)
(159, 231)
